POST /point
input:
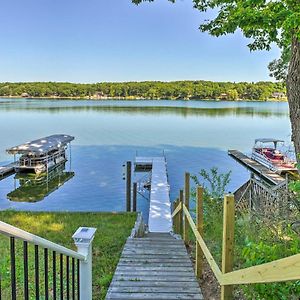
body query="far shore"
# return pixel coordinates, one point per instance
(146, 99)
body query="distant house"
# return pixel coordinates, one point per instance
(278, 95)
(25, 95)
(100, 95)
(223, 96)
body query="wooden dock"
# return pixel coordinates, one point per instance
(7, 170)
(156, 266)
(160, 205)
(256, 167)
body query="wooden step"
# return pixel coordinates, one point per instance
(154, 267)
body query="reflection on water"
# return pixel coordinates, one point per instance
(34, 188)
(193, 134)
(184, 108)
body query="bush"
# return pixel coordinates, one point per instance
(257, 240)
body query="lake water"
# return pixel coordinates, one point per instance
(192, 134)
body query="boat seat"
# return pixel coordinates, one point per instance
(269, 154)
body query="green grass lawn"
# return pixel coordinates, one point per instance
(112, 232)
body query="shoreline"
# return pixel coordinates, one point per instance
(141, 99)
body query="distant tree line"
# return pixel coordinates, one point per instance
(147, 90)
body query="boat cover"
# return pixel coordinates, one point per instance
(43, 145)
(268, 140)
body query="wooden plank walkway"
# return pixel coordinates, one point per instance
(160, 205)
(154, 267)
(7, 170)
(258, 168)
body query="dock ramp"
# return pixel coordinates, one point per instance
(160, 205)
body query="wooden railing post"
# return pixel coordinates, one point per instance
(187, 204)
(175, 219)
(180, 215)
(199, 224)
(228, 244)
(178, 218)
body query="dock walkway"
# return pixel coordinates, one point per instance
(160, 205)
(7, 170)
(258, 168)
(154, 267)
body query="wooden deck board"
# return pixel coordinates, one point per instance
(156, 264)
(156, 289)
(156, 296)
(146, 268)
(164, 284)
(159, 269)
(172, 279)
(155, 252)
(161, 245)
(147, 257)
(255, 166)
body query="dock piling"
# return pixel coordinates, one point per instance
(134, 196)
(128, 186)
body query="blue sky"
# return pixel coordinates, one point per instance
(114, 40)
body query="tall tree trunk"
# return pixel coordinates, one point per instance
(293, 93)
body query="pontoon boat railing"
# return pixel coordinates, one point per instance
(35, 161)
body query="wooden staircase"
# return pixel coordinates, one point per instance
(156, 266)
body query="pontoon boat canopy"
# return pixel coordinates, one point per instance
(43, 145)
(268, 140)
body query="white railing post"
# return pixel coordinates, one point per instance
(83, 238)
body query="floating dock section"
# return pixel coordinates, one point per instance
(7, 170)
(160, 219)
(256, 167)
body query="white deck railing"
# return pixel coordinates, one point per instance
(10, 230)
(83, 238)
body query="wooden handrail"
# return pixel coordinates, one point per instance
(177, 210)
(278, 270)
(284, 269)
(214, 266)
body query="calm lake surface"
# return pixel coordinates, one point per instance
(193, 135)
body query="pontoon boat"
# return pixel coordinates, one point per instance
(266, 152)
(43, 154)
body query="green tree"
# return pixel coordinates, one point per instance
(148, 89)
(265, 22)
(232, 94)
